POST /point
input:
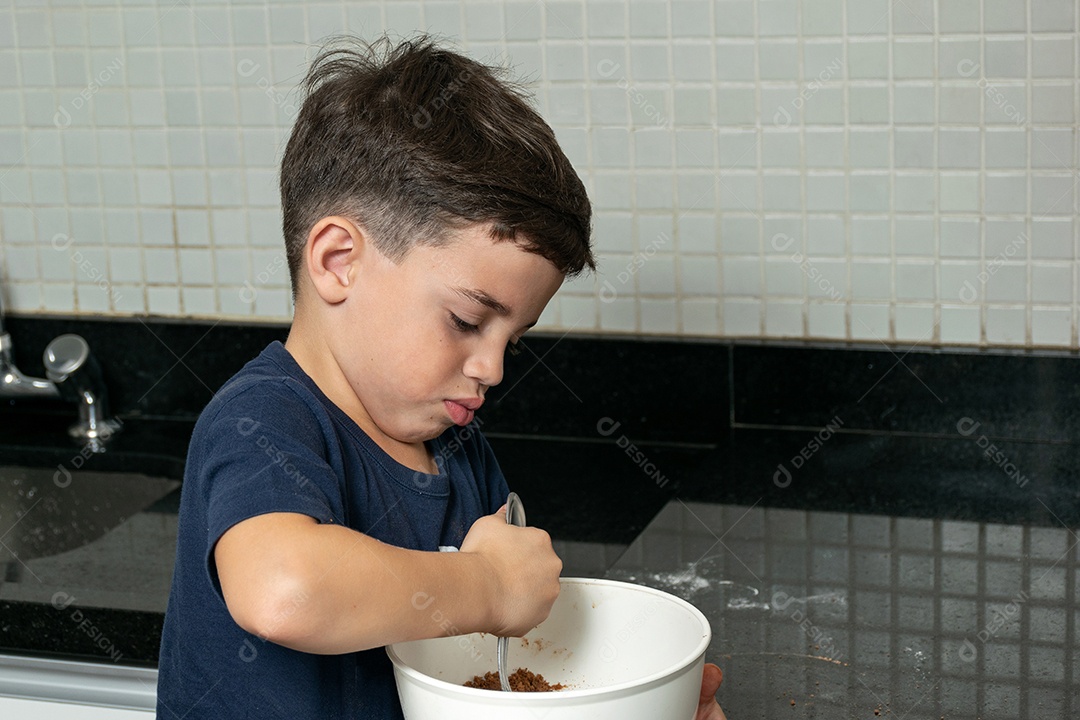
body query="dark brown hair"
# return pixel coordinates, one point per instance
(411, 141)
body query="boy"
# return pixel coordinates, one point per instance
(429, 216)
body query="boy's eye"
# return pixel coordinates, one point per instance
(462, 325)
(512, 348)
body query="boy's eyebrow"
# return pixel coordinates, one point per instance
(481, 297)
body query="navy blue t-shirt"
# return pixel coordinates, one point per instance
(270, 441)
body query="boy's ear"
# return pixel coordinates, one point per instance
(334, 245)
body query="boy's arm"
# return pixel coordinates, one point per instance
(323, 588)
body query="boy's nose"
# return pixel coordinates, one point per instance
(485, 365)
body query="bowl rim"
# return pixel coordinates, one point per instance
(555, 697)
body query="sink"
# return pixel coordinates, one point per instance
(98, 530)
(49, 510)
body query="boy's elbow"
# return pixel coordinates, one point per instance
(267, 576)
(275, 610)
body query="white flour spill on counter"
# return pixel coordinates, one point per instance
(686, 580)
(832, 597)
(920, 659)
(689, 582)
(747, 603)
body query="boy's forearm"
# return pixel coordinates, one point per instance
(328, 589)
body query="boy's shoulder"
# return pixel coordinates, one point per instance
(269, 386)
(273, 364)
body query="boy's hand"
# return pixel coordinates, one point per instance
(708, 708)
(524, 572)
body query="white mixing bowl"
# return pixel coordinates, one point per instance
(624, 651)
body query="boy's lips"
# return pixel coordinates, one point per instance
(462, 410)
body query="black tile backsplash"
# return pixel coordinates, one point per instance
(1022, 396)
(595, 492)
(647, 389)
(964, 478)
(667, 390)
(151, 367)
(573, 386)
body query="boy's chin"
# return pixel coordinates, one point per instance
(432, 430)
(422, 429)
(431, 434)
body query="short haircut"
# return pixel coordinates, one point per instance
(412, 141)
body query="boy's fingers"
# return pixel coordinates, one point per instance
(710, 681)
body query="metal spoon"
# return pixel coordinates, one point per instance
(515, 515)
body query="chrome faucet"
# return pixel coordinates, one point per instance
(72, 374)
(13, 383)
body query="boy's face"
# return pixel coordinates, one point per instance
(421, 341)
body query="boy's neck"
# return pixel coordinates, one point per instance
(316, 359)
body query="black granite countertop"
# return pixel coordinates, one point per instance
(595, 497)
(849, 615)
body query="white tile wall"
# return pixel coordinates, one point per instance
(840, 169)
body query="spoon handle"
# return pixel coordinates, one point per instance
(502, 650)
(515, 515)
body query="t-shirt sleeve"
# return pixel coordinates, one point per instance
(264, 453)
